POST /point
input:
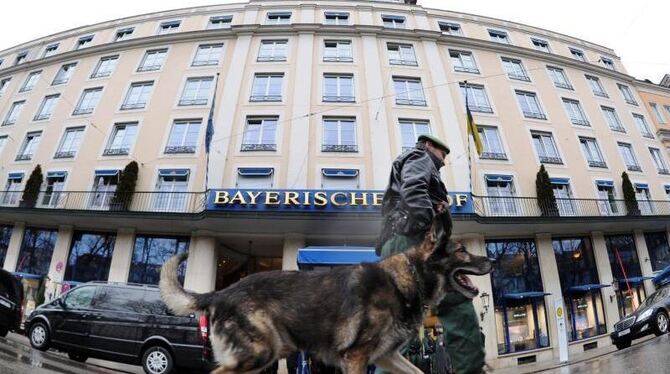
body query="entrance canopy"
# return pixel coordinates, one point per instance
(588, 287)
(335, 256)
(634, 280)
(525, 295)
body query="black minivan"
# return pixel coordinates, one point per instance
(11, 300)
(121, 322)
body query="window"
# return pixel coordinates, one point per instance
(401, 54)
(137, 95)
(628, 155)
(52, 194)
(88, 101)
(643, 198)
(168, 27)
(493, 149)
(3, 141)
(272, 50)
(577, 54)
(339, 179)
(267, 87)
(608, 63)
(254, 178)
(339, 135)
(21, 58)
(627, 94)
(450, 28)
(607, 203)
(219, 22)
(105, 67)
(499, 36)
(559, 78)
(580, 287)
(500, 200)
(36, 250)
(69, 145)
(612, 119)
(260, 134)
(338, 87)
(31, 81)
(575, 112)
(183, 136)
(546, 148)
(13, 191)
(50, 50)
(208, 54)
(463, 62)
(592, 152)
(13, 113)
(153, 60)
(661, 166)
(83, 42)
(5, 236)
(118, 299)
(29, 146)
(196, 91)
(667, 107)
(337, 51)
(122, 139)
(518, 296)
(104, 186)
(172, 186)
(410, 130)
(530, 106)
(336, 18)
(396, 22)
(541, 45)
(476, 98)
(46, 108)
(80, 298)
(123, 34)
(278, 18)
(563, 197)
(659, 251)
(90, 257)
(64, 74)
(642, 126)
(596, 86)
(514, 69)
(657, 113)
(4, 83)
(149, 255)
(408, 91)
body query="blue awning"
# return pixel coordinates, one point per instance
(173, 172)
(15, 176)
(171, 23)
(559, 180)
(221, 18)
(663, 277)
(107, 172)
(56, 174)
(279, 14)
(127, 29)
(587, 287)
(633, 280)
(329, 256)
(255, 172)
(28, 275)
(602, 183)
(525, 295)
(336, 14)
(642, 186)
(340, 173)
(499, 178)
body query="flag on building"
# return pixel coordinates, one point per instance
(209, 133)
(472, 127)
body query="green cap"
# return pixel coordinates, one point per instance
(436, 142)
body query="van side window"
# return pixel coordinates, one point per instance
(80, 298)
(154, 303)
(119, 299)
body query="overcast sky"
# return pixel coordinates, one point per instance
(636, 30)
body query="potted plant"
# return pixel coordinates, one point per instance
(629, 197)
(123, 195)
(545, 194)
(32, 190)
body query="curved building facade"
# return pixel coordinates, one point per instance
(309, 102)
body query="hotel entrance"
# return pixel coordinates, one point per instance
(237, 259)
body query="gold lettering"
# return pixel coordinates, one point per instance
(355, 200)
(291, 198)
(253, 196)
(238, 197)
(461, 199)
(320, 198)
(221, 197)
(271, 198)
(450, 200)
(377, 198)
(306, 198)
(333, 198)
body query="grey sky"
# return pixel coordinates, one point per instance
(636, 30)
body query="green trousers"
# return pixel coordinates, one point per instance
(462, 337)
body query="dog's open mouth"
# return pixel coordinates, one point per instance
(461, 282)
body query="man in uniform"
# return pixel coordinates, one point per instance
(414, 195)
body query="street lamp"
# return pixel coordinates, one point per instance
(485, 305)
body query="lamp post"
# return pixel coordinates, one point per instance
(485, 305)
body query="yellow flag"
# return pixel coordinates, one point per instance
(472, 130)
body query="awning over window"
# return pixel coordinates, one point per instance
(173, 172)
(221, 18)
(587, 287)
(330, 256)
(340, 173)
(279, 14)
(336, 14)
(499, 178)
(28, 275)
(255, 172)
(15, 175)
(602, 183)
(397, 18)
(559, 180)
(663, 277)
(56, 174)
(633, 280)
(525, 295)
(107, 173)
(642, 186)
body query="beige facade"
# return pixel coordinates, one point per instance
(358, 81)
(656, 100)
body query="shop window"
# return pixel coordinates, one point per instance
(659, 251)
(5, 235)
(626, 272)
(90, 257)
(150, 253)
(36, 250)
(520, 314)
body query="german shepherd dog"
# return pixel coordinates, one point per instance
(348, 317)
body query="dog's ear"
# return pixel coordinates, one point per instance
(436, 239)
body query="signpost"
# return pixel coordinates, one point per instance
(562, 330)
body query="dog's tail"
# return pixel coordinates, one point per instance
(174, 296)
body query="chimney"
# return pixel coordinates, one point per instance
(665, 82)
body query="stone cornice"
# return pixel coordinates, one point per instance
(646, 86)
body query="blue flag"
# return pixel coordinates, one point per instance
(209, 133)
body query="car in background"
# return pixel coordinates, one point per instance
(11, 300)
(126, 323)
(650, 317)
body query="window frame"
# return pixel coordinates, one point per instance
(61, 152)
(137, 105)
(267, 96)
(548, 143)
(79, 110)
(339, 145)
(126, 147)
(47, 107)
(272, 125)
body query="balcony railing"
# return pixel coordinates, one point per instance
(534, 115)
(187, 102)
(205, 62)
(466, 69)
(64, 154)
(395, 61)
(493, 156)
(79, 111)
(258, 147)
(634, 167)
(116, 151)
(339, 148)
(338, 59)
(597, 164)
(173, 149)
(551, 160)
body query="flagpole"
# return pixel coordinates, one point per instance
(209, 132)
(468, 136)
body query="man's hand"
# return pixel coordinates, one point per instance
(442, 207)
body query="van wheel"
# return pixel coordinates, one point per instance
(623, 344)
(3, 332)
(76, 356)
(661, 325)
(157, 360)
(39, 336)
